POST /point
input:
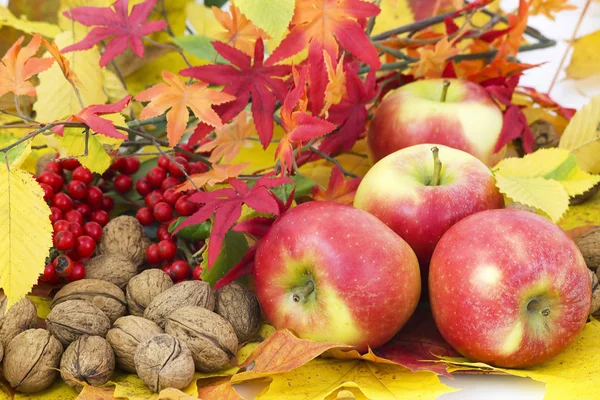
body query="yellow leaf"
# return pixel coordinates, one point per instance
(259, 158)
(174, 394)
(579, 182)
(546, 195)
(25, 232)
(375, 381)
(273, 16)
(18, 154)
(394, 13)
(587, 213)
(582, 136)
(202, 20)
(42, 305)
(586, 57)
(22, 24)
(130, 386)
(56, 97)
(113, 87)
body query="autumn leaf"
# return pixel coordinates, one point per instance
(126, 30)
(582, 136)
(175, 394)
(549, 7)
(339, 189)
(218, 389)
(19, 65)
(130, 386)
(336, 88)
(273, 19)
(229, 139)
(62, 62)
(240, 33)
(175, 95)
(220, 173)
(24, 219)
(242, 79)
(544, 100)
(586, 57)
(584, 214)
(96, 392)
(433, 58)
(518, 23)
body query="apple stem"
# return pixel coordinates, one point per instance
(445, 90)
(437, 167)
(302, 292)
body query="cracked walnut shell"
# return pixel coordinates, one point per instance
(589, 245)
(88, 359)
(595, 305)
(125, 336)
(112, 268)
(31, 360)
(144, 287)
(103, 294)
(124, 236)
(20, 317)
(74, 318)
(238, 305)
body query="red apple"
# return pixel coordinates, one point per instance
(467, 119)
(399, 191)
(331, 272)
(509, 288)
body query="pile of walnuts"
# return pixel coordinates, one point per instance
(171, 331)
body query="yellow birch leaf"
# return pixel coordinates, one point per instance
(56, 97)
(586, 57)
(25, 232)
(375, 381)
(202, 20)
(113, 88)
(582, 136)
(272, 16)
(394, 13)
(546, 195)
(22, 24)
(587, 213)
(42, 305)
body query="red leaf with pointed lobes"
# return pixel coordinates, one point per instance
(244, 78)
(339, 190)
(515, 126)
(544, 100)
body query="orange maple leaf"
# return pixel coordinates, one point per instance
(549, 7)
(229, 139)
(220, 173)
(339, 190)
(63, 63)
(18, 66)
(432, 58)
(177, 96)
(518, 24)
(336, 88)
(241, 32)
(217, 389)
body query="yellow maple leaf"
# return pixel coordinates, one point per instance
(230, 139)
(202, 20)
(582, 136)
(240, 32)
(25, 232)
(586, 57)
(549, 7)
(336, 87)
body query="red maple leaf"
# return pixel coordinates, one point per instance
(244, 79)
(127, 29)
(90, 117)
(544, 100)
(339, 190)
(226, 205)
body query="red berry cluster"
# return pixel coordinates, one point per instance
(79, 211)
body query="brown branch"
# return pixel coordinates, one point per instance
(333, 161)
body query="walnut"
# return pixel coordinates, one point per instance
(209, 336)
(103, 294)
(595, 306)
(521, 206)
(164, 361)
(585, 196)
(31, 360)
(144, 287)
(545, 134)
(20, 317)
(589, 245)
(3, 303)
(188, 293)
(125, 336)
(124, 236)
(1, 352)
(88, 359)
(111, 268)
(41, 162)
(238, 305)
(74, 318)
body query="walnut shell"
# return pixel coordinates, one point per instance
(545, 134)
(164, 361)
(585, 196)
(3, 303)
(74, 318)
(188, 293)
(521, 206)
(238, 305)
(20, 317)
(595, 305)
(88, 359)
(124, 237)
(41, 162)
(589, 244)
(125, 336)
(1, 352)
(31, 360)
(144, 287)
(112, 268)
(103, 294)
(210, 337)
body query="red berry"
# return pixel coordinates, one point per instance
(55, 214)
(75, 229)
(163, 162)
(123, 183)
(107, 203)
(167, 270)
(77, 273)
(162, 233)
(109, 174)
(175, 170)
(93, 230)
(155, 176)
(74, 216)
(167, 250)
(100, 217)
(85, 246)
(187, 147)
(118, 164)
(55, 181)
(197, 272)
(162, 211)
(197, 168)
(132, 164)
(60, 225)
(54, 166)
(180, 270)
(64, 241)
(94, 197)
(185, 207)
(143, 187)
(70, 164)
(144, 215)
(50, 274)
(63, 265)
(153, 198)
(77, 189)
(83, 174)
(84, 210)
(48, 192)
(62, 201)
(169, 183)
(152, 255)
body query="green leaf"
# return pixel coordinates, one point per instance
(216, 3)
(234, 248)
(304, 186)
(193, 232)
(272, 16)
(198, 46)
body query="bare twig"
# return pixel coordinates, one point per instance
(20, 112)
(333, 161)
(168, 46)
